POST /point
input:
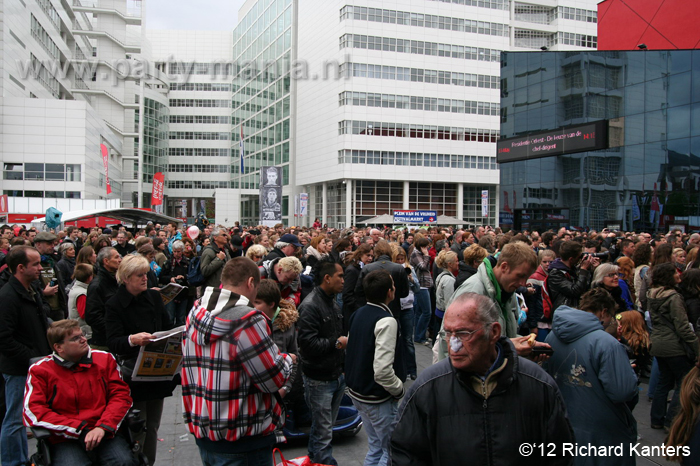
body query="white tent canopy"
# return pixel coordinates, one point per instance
(135, 217)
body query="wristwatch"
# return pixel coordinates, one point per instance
(338, 345)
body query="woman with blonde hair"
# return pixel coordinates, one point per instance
(679, 257)
(407, 316)
(444, 285)
(256, 253)
(132, 316)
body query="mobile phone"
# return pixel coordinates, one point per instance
(537, 350)
(53, 282)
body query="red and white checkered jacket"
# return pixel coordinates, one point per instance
(231, 370)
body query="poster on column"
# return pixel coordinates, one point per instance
(270, 196)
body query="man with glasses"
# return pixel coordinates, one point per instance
(484, 402)
(83, 428)
(23, 324)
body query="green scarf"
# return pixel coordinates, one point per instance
(502, 304)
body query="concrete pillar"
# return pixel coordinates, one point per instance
(348, 202)
(324, 207)
(460, 202)
(405, 196)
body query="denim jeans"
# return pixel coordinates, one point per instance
(653, 378)
(406, 327)
(377, 419)
(13, 438)
(260, 457)
(177, 311)
(323, 398)
(110, 452)
(421, 307)
(671, 373)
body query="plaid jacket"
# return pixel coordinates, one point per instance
(231, 370)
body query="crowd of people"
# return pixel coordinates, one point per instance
(536, 338)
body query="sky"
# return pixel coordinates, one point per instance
(209, 15)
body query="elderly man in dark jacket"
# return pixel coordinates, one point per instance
(23, 325)
(322, 349)
(102, 287)
(484, 402)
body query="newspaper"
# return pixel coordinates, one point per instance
(161, 359)
(170, 292)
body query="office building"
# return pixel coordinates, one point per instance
(634, 163)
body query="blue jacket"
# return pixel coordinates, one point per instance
(596, 380)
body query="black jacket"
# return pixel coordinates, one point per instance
(465, 271)
(352, 274)
(320, 325)
(398, 273)
(274, 254)
(566, 286)
(23, 325)
(65, 268)
(123, 251)
(60, 309)
(126, 315)
(102, 288)
(444, 420)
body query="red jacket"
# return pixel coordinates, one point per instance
(70, 399)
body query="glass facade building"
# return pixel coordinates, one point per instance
(262, 52)
(647, 178)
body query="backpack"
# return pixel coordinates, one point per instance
(547, 304)
(194, 272)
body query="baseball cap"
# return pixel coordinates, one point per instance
(290, 239)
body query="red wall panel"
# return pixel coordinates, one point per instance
(659, 24)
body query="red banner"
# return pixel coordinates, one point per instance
(105, 162)
(4, 208)
(157, 193)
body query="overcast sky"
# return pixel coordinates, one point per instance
(211, 15)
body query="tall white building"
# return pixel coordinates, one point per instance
(381, 106)
(74, 77)
(198, 65)
(367, 106)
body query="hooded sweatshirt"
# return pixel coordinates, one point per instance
(597, 382)
(231, 371)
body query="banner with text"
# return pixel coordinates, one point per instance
(105, 162)
(485, 203)
(304, 204)
(415, 216)
(270, 196)
(157, 192)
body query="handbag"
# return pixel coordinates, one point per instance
(126, 367)
(301, 461)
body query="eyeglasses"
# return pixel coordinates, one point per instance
(463, 335)
(77, 338)
(612, 275)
